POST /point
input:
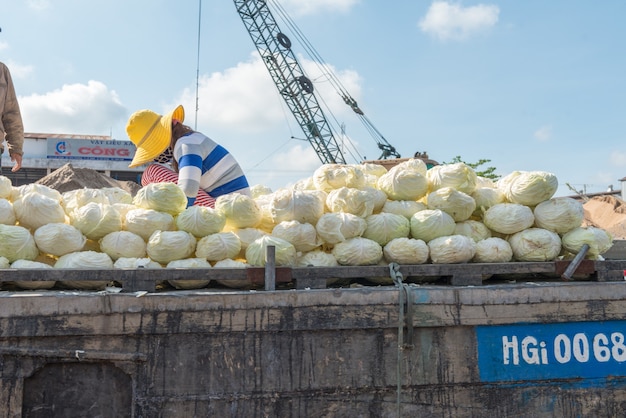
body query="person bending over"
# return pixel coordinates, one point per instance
(176, 153)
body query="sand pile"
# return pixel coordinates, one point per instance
(607, 212)
(68, 178)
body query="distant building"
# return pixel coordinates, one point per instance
(622, 181)
(44, 153)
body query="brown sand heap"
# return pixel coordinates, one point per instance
(607, 212)
(68, 178)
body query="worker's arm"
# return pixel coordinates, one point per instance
(190, 171)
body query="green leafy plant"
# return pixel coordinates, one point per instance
(487, 172)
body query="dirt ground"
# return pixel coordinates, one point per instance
(68, 178)
(607, 212)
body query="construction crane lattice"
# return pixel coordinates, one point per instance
(294, 86)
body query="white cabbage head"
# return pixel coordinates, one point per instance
(403, 184)
(284, 251)
(560, 214)
(165, 197)
(406, 251)
(6, 188)
(482, 182)
(117, 195)
(7, 214)
(259, 190)
(430, 224)
(349, 200)
(372, 170)
(476, 230)
(458, 176)
(85, 260)
(32, 285)
(413, 164)
(530, 187)
(303, 236)
(457, 204)
(598, 240)
(95, 220)
(59, 239)
(16, 243)
(241, 211)
(33, 210)
(218, 246)
(304, 206)
(229, 263)
(266, 223)
(122, 209)
(377, 196)
(304, 184)
(317, 258)
(200, 221)
(76, 198)
(123, 244)
(406, 208)
(248, 235)
(144, 222)
(358, 251)
(493, 250)
(383, 227)
(486, 197)
(337, 227)
(18, 192)
(452, 249)
(508, 218)
(166, 246)
(29, 264)
(189, 263)
(134, 263)
(4, 263)
(535, 244)
(334, 176)
(233, 264)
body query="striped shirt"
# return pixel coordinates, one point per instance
(204, 164)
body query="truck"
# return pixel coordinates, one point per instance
(517, 339)
(438, 341)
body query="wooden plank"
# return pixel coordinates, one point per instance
(314, 277)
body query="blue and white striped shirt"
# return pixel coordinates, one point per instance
(204, 164)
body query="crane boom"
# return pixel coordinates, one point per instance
(294, 87)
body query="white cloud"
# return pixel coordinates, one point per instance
(241, 106)
(3, 45)
(293, 164)
(38, 5)
(544, 133)
(244, 98)
(448, 21)
(301, 8)
(90, 109)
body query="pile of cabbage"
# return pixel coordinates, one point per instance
(343, 215)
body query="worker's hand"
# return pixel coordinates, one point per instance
(17, 159)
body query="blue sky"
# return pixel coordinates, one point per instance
(529, 85)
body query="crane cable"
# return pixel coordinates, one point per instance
(327, 71)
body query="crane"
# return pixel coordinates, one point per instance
(296, 88)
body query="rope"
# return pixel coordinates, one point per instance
(405, 319)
